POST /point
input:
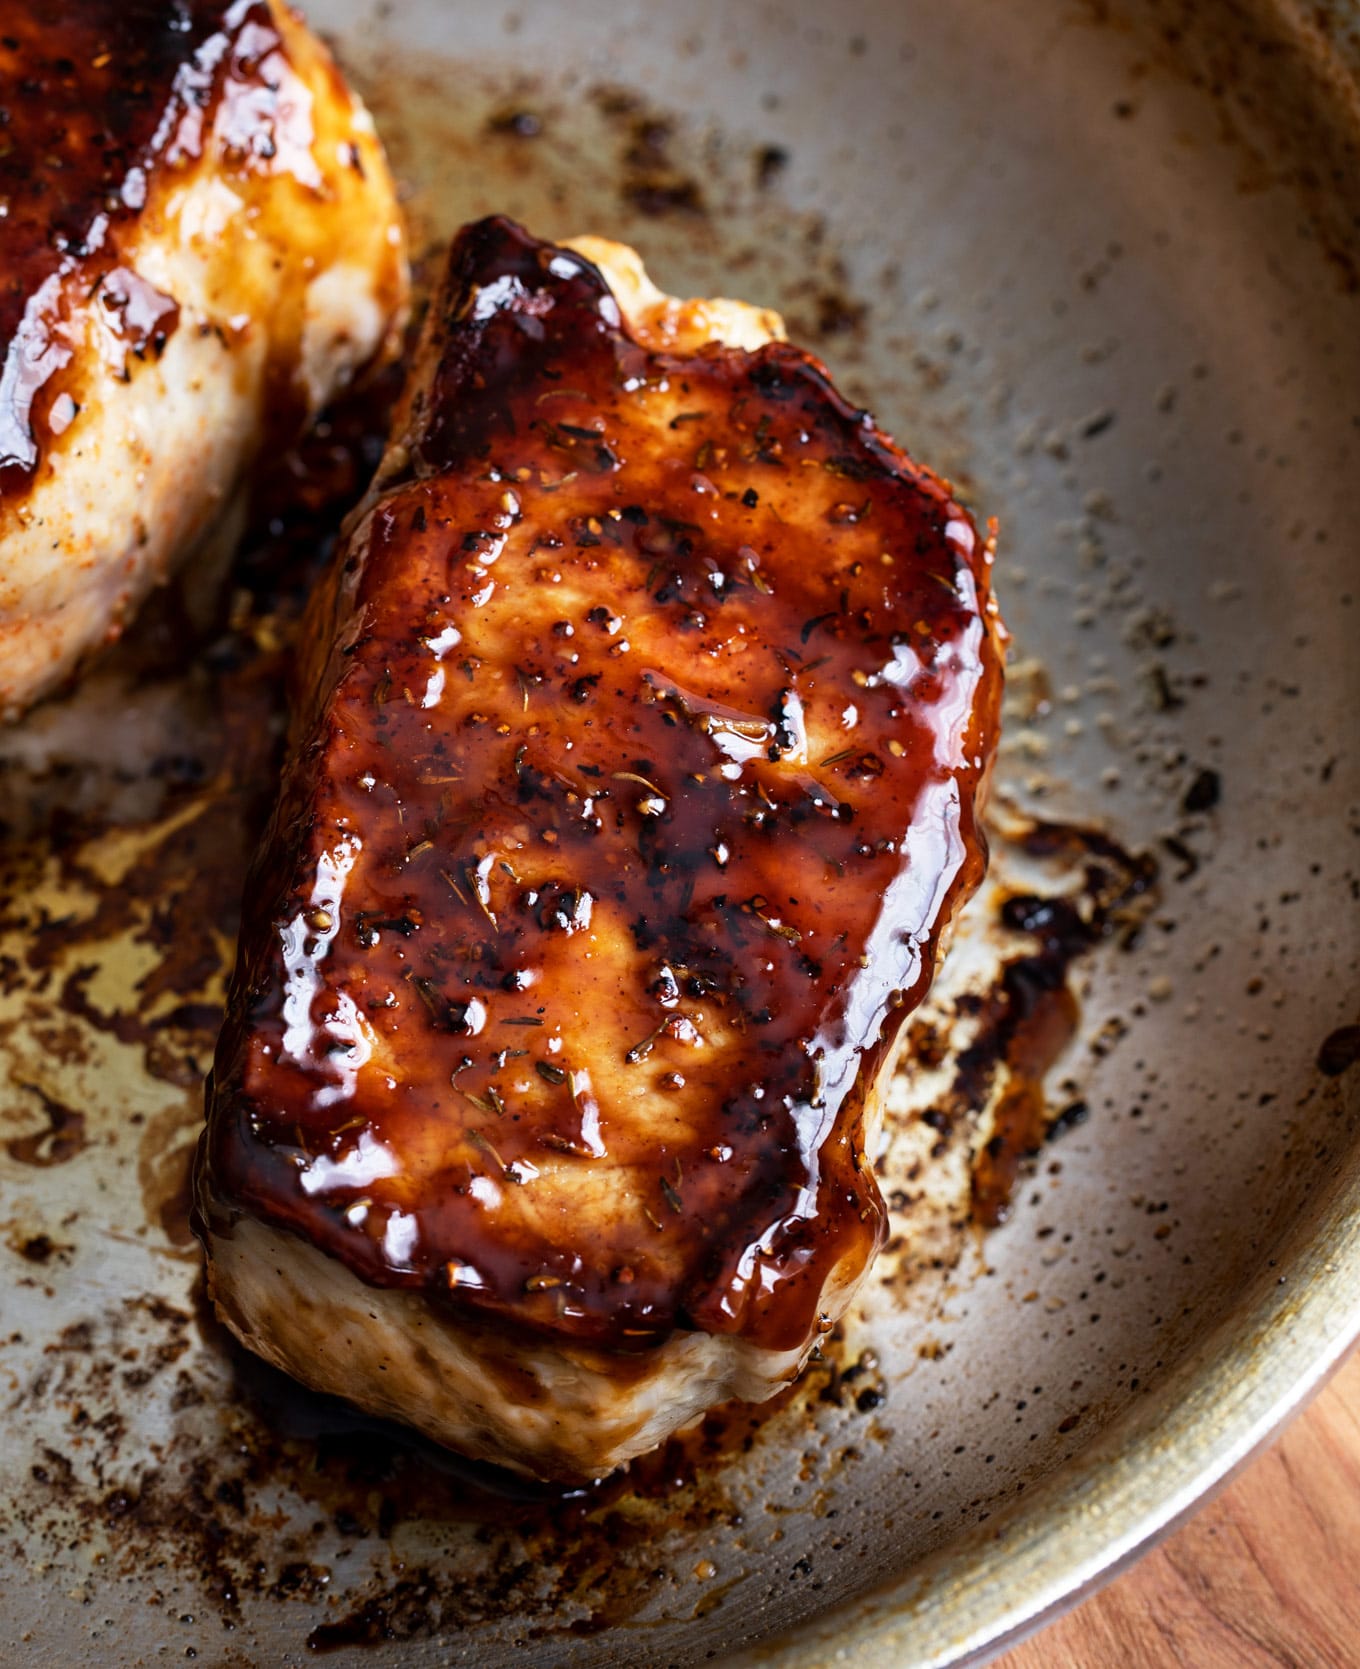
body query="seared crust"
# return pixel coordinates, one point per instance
(647, 712)
(200, 244)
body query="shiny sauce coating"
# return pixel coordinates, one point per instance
(105, 106)
(647, 709)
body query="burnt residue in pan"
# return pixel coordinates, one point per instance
(203, 1509)
(1030, 1016)
(60, 1139)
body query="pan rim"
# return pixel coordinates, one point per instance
(1141, 1478)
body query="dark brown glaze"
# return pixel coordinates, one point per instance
(100, 100)
(647, 712)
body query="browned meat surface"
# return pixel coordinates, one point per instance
(199, 244)
(635, 782)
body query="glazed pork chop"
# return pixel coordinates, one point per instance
(200, 245)
(648, 707)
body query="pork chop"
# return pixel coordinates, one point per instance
(200, 244)
(648, 707)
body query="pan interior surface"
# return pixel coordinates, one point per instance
(1053, 253)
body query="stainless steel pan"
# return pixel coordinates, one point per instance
(1099, 263)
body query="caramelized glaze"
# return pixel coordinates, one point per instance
(647, 710)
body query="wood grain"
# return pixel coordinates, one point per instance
(1267, 1574)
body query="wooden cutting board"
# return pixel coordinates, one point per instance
(1266, 1575)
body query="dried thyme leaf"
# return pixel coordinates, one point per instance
(632, 776)
(640, 1051)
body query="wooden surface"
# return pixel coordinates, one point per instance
(1266, 1574)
